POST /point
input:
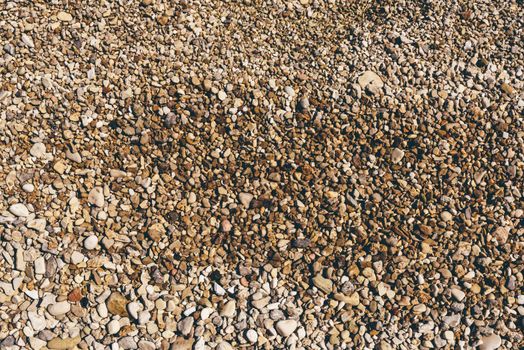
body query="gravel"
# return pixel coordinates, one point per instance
(303, 174)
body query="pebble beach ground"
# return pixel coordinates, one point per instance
(261, 174)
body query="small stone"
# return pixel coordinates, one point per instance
(224, 345)
(508, 89)
(397, 155)
(38, 322)
(113, 327)
(225, 225)
(132, 309)
(458, 294)
(252, 336)
(353, 299)
(96, 197)
(36, 343)
(19, 210)
(222, 95)
(501, 235)
(64, 16)
(228, 310)
(491, 342)
(28, 41)
(75, 295)
(323, 284)
(156, 232)
(286, 327)
(186, 325)
(446, 216)
(245, 199)
(37, 150)
(28, 188)
(116, 304)
(371, 81)
(59, 308)
(127, 343)
(91, 242)
(383, 345)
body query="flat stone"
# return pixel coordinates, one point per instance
(501, 235)
(252, 336)
(117, 304)
(113, 327)
(37, 150)
(91, 242)
(186, 325)
(63, 344)
(286, 327)
(491, 342)
(458, 294)
(446, 216)
(64, 16)
(224, 345)
(397, 155)
(323, 284)
(370, 80)
(228, 310)
(36, 343)
(96, 197)
(59, 308)
(353, 299)
(19, 210)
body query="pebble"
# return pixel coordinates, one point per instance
(91, 242)
(59, 308)
(19, 210)
(224, 345)
(186, 325)
(286, 327)
(64, 16)
(96, 197)
(446, 216)
(458, 294)
(116, 304)
(38, 150)
(113, 327)
(397, 155)
(251, 336)
(245, 199)
(63, 343)
(491, 342)
(323, 284)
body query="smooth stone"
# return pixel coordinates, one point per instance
(446, 216)
(36, 343)
(28, 188)
(491, 342)
(113, 327)
(252, 336)
(397, 155)
(37, 150)
(225, 225)
(224, 345)
(19, 210)
(132, 309)
(91, 242)
(96, 197)
(286, 327)
(63, 344)
(146, 345)
(127, 343)
(370, 81)
(59, 308)
(38, 322)
(64, 16)
(222, 95)
(458, 294)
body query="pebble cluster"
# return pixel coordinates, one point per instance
(299, 174)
